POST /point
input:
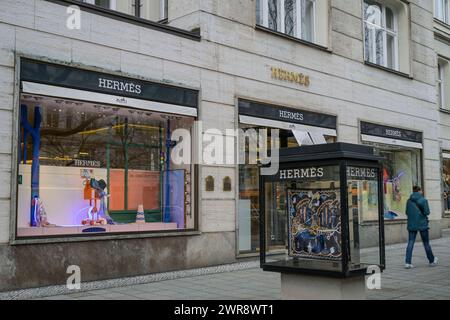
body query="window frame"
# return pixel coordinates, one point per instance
(441, 84)
(112, 4)
(137, 4)
(446, 213)
(445, 14)
(386, 31)
(281, 26)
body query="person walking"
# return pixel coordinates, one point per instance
(417, 211)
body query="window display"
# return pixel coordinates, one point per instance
(94, 168)
(401, 171)
(249, 198)
(446, 181)
(315, 223)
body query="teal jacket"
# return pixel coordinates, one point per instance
(417, 210)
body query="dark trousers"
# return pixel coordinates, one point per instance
(426, 243)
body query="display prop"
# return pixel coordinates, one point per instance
(34, 131)
(176, 197)
(94, 190)
(314, 224)
(324, 190)
(140, 216)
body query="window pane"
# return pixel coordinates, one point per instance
(372, 13)
(289, 17)
(97, 168)
(446, 182)
(153, 10)
(390, 50)
(441, 7)
(307, 20)
(103, 3)
(389, 19)
(379, 35)
(373, 44)
(363, 206)
(259, 19)
(441, 84)
(273, 14)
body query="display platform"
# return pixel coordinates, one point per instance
(73, 230)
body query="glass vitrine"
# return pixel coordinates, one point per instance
(326, 193)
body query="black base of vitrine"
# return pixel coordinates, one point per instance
(313, 267)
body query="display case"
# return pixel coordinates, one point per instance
(325, 191)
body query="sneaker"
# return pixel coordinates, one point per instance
(435, 262)
(409, 266)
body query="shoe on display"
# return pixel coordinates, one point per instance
(409, 266)
(435, 262)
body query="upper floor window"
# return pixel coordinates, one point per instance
(292, 17)
(442, 83)
(154, 10)
(380, 34)
(441, 10)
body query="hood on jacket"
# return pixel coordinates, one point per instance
(415, 196)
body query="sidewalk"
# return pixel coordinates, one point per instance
(421, 283)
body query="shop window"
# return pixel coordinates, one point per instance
(88, 168)
(227, 184)
(303, 19)
(154, 10)
(402, 169)
(441, 10)
(249, 198)
(446, 181)
(209, 183)
(386, 34)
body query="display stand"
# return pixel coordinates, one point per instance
(325, 191)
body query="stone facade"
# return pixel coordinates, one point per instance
(233, 59)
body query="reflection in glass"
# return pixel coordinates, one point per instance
(273, 14)
(289, 17)
(446, 182)
(88, 157)
(362, 188)
(380, 35)
(307, 20)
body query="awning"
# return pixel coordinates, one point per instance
(389, 141)
(62, 92)
(286, 125)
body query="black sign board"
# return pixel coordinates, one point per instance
(306, 173)
(70, 77)
(362, 173)
(390, 132)
(279, 113)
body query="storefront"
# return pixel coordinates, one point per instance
(446, 181)
(94, 154)
(402, 167)
(296, 128)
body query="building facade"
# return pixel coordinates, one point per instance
(89, 100)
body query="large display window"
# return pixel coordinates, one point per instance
(88, 168)
(402, 169)
(296, 128)
(401, 150)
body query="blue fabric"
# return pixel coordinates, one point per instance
(36, 137)
(426, 243)
(417, 211)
